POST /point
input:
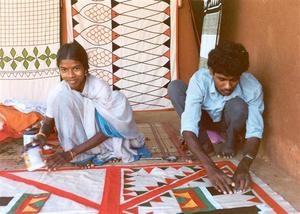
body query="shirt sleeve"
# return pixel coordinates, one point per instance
(255, 124)
(192, 111)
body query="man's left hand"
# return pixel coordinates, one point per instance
(242, 179)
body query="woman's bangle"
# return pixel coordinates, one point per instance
(41, 134)
(71, 154)
(248, 156)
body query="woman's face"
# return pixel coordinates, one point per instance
(72, 71)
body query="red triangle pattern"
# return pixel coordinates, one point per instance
(167, 11)
(127, 197)
(149, 170)
(127, 181)
(114, 35)
(168, 75)
(115, 58)
(127, 171)
(133, 210)
(114, 14)
(188, 173)
(75, 33)
(151, 187)
(170, 180)
(74, 12)
(126, 191)
(115, 79)
(157, 199)
(167, 54)
(168, 32)
(255, 200)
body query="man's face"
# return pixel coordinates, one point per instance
(225, 84)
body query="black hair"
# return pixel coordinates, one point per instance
(73, 51)
(229, 59)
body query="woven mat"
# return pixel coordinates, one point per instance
(161, 139)
(156, 188)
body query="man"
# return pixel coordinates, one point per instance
(227, 99)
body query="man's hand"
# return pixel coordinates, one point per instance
(220, 180)
(242, 179)
(58, 159)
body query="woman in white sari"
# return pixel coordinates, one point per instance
(94, 123)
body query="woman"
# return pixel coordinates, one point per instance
(94, 123)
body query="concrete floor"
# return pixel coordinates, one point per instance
(286, 186)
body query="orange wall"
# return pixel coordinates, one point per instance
(270, 30)
(188, 51)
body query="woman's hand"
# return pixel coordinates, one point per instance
(40, 139)
(58, 159)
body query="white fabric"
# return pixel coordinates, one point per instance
(74, 115)
(26, 106)
(29, 40)
(134, 51)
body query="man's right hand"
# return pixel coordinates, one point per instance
(220, 180)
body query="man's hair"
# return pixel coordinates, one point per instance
(229, 59)
(73, 51)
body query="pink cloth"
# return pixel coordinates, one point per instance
(214, 137)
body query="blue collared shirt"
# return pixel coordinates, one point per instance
(202, 94)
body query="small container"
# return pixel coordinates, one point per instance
(28, 135)
(33, 158)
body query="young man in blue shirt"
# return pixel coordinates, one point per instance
(227, 99)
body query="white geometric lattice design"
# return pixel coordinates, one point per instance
(131, 45)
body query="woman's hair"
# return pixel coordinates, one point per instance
(73, 51)
(229, 59)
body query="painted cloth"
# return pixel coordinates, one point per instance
(29, 40)
(130, 44)
(210, 29)
(75, 118)
(157, 189)
(202, 94)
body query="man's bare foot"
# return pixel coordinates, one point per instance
(227, 151)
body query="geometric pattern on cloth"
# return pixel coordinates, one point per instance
(131, 45)
(210, 29)
(29, 40)
(28, 203)
(156, 188)
(192, 200)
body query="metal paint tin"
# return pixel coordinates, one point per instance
(28, 135)
(33, 158)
